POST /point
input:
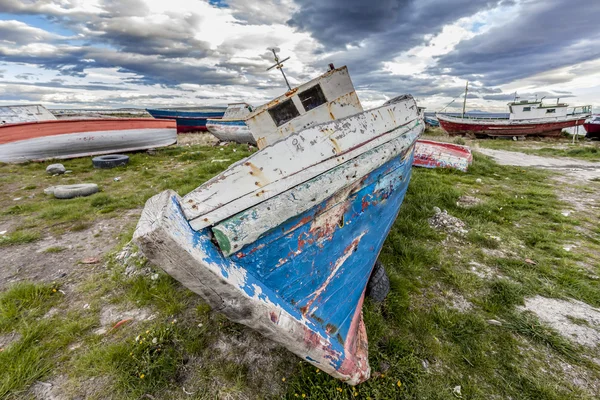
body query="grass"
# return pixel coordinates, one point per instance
(421, 344)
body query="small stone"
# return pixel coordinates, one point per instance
(437, 210)
(457, 390)
(117, 179)
(90, 260)
(478, 180)
(494, 322)
(530, 261)
(154, 277)
(17, 198)
(55, 169)
(68, 171)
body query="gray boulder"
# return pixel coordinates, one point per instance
(55, 169)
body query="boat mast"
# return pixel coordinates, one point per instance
(279, 65)
(465, 100)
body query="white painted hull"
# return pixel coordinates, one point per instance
(226, 131)
(83, 144)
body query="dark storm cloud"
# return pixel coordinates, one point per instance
(545, 35)
(382, 29)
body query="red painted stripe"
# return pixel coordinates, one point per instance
(31, 130)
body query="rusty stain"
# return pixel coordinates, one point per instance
(336, 146)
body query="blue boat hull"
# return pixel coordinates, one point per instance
(301, 284)
(187, 121)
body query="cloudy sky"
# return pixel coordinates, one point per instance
(142, 53)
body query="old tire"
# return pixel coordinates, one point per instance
(110, 161)
(379, 283)
(71, 191)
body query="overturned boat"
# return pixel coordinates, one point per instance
(431, 154)
(48, 139)
(189, 119)
(285, 240)
(232, 127)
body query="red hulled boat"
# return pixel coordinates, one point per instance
(592, 127)
(527, 118)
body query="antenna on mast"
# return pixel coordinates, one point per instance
(279, 65)
(465, 101)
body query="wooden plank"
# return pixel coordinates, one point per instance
(246, 227)
(297, 159)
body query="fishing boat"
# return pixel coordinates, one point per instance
(592, 127)
(285, 240)
(189, 119)
(431, 154)
(526, 118)
(232, 127)
(48, 139)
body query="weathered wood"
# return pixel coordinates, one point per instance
(166, 238)
(244, 228)
(297, 159)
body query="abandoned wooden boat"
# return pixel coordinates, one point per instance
(527, 118)
(430, 154)
(41, 140)
(592, 127)
(189, 119)
(328, 97)
(25, 113)
(285, 240)
(232, 127)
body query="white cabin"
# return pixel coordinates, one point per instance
(25, 113)
(237, 111)
(329, 97)
(526, 109)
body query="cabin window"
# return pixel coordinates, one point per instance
(526, 108)
(312, 98)
(284, 112)
(550, 110)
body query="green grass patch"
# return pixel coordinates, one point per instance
(19, 237)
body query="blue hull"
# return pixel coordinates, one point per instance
(187, 121)
(301, 284)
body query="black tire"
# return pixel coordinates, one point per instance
(71, 191)
(378, 286)
(110, 161)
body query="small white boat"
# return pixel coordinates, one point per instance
(232, 127)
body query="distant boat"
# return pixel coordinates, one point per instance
(189, 119)
(432, 121)
(42, 140)
(232, 127)
(592, 127)
(285, 240)
(527, 118)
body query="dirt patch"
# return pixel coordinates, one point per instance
(8, 339)
(111, 315)
(33, 262)
(578, 169)
(573, 319)
(467, 201)
(203, 139)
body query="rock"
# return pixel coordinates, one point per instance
(494, 322)
(478, 180)
(55, 169)
(530, 261)
(71, 191)
(437, 210)
(447, 222)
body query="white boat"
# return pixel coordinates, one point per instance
(232, 127)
